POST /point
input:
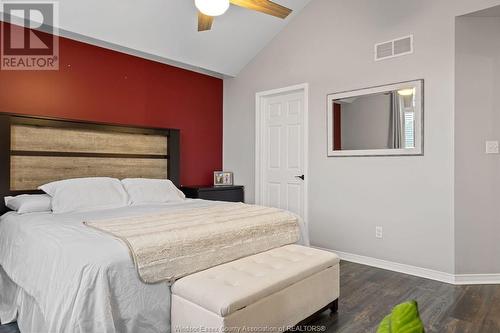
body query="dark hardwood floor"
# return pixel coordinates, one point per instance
(368, 294)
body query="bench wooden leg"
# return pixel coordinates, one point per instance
(334, 306)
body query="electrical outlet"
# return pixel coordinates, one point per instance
(491, 147)
(379, 232)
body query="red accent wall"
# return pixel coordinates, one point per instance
(97, 84)
(337, 126)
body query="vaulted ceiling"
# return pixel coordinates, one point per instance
(166, 30)
(489, 12)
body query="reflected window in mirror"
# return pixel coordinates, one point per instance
(376, 121)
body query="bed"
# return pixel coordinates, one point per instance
(56, 274)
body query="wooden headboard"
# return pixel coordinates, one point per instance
(35, 151)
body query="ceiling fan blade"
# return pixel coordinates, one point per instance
(264, 6)
(204, 22)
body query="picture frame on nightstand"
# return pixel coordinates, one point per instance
(223, 178)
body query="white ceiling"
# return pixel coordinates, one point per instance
(489, 12)
(166, 31)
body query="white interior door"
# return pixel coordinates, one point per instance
(283, 147)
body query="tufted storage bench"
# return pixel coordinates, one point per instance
(266, 292)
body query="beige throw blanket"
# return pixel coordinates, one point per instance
(169, 246)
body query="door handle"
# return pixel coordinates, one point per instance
(301, 177)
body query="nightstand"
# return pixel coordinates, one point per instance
(217, 193)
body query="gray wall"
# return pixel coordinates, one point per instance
(477, 119)
(365, 122)
(330, 46)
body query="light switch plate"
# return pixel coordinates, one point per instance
(491, 147)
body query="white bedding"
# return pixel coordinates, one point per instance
(80, 279)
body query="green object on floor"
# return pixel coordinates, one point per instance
(404, 318)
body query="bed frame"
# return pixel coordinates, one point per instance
(38, 150)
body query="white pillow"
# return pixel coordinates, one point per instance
(29, 203)
(86, 194)
(151, 191)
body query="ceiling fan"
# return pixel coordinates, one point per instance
(208, 9)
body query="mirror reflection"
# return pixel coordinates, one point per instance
(384, 120)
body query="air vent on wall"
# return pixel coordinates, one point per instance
(394, 48)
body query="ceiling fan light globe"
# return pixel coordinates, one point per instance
(212, 7)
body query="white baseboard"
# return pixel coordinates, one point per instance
(461, 279)
(457, 279)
